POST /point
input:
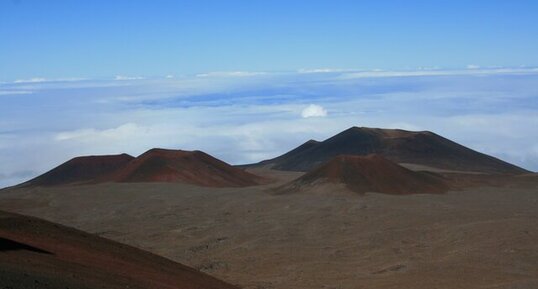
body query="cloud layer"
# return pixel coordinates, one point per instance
(245, 117)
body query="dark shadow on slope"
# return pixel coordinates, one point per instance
(9, 245)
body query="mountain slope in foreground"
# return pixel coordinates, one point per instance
(38, 254)
(372, 173)
(400, 146)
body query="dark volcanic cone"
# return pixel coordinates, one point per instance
(400, 146)
(372, 173)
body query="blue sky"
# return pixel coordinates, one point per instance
(249, 80)
(60, 39)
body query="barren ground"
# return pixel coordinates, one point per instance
(323, 238)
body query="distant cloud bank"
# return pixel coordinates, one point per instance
(242, 117)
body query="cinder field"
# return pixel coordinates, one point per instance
(321, 237)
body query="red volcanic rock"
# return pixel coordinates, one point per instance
(81, 170)
(39, 254)
(155, 165)
(177, 166)
(372, 173)
(400, 146)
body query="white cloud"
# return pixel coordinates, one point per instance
(31, 80)
(473, 66)
(230, 74)
(124, 77)
(429, 68)
(404, 125)
(322, 70)
(411, 73)
(314, 110)
(41, 80)
(121, 132)
(14, 92)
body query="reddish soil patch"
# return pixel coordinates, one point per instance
(191, 167)
(40, 254)
(81, 170)
(372, 173)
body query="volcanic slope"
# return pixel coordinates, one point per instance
(400, 146)
(38, 254)
(81, 170)
(296, 151)
(177, 166)
(371, 173)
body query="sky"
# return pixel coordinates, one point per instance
(100, 38)
(249, 80)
